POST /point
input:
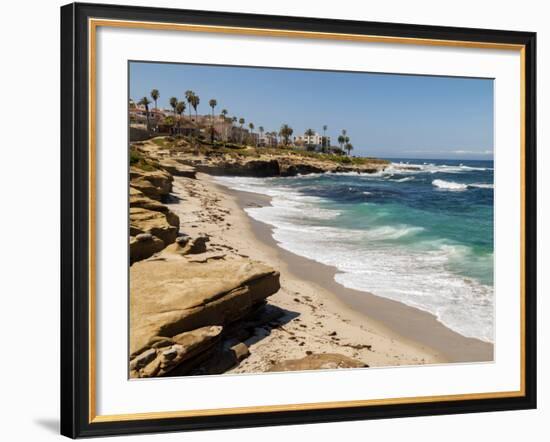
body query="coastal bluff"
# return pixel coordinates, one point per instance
(180, 158)
(187, 303)
(199, 303)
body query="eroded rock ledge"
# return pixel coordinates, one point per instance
(184, 314)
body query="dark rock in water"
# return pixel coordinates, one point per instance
(257, 168)
(326, 361)
(300, 169)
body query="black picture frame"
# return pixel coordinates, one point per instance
(75, 221)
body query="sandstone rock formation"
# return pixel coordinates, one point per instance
(325, 361)
(155, 184)
(282, 166)
(152, 225)
(180, 308)
(176, 168)
(156, 223)
(143, 246)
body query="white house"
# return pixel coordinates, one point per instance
(315, 140)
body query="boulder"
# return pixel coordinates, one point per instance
(240, 351)
(325, 361)
(156, 223)
(158, 360)
(171, 296)
(194, 246)
(143, 246)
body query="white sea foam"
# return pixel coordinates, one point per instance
(431, 168)
(373, 260)
(418, 278)
(482, 185)
(449, 185)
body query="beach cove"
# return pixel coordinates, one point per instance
(311, 320)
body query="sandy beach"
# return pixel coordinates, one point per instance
(321, 316)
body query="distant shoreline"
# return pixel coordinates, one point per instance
(408, 322)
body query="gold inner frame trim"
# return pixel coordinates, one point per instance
(93, 24)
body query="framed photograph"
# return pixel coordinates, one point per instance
(274, 220)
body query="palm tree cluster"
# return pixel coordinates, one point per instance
(193, 100)
(343, 140)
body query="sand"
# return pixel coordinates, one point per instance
(321, 315)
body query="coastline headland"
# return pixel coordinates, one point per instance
(211, 292)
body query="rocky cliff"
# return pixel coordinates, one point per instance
(185, 311)
(190, 308)
(174, 156)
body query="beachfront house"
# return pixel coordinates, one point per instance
(268, 139)
(313, 141)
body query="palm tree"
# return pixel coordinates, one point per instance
(286, 132)
(261, 130)
(189, 97)
(224, 115)
(212, 103)
(349, 147)
(241, 122)
(324, 141)
(309, 133)
(341, 141)
(251, 127)
(180, 109)
(173, 104)
(155, 94)
(195, 100)
(145, 102)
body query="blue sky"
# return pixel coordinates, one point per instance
(385, 115)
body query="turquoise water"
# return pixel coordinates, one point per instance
(420, 232)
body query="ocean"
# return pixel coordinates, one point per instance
(420, 232)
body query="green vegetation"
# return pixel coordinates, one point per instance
(137, 159)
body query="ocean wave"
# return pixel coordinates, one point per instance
(449, 185)
(395, 261)
(432, 168)
(482, 185)
(418, 278)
